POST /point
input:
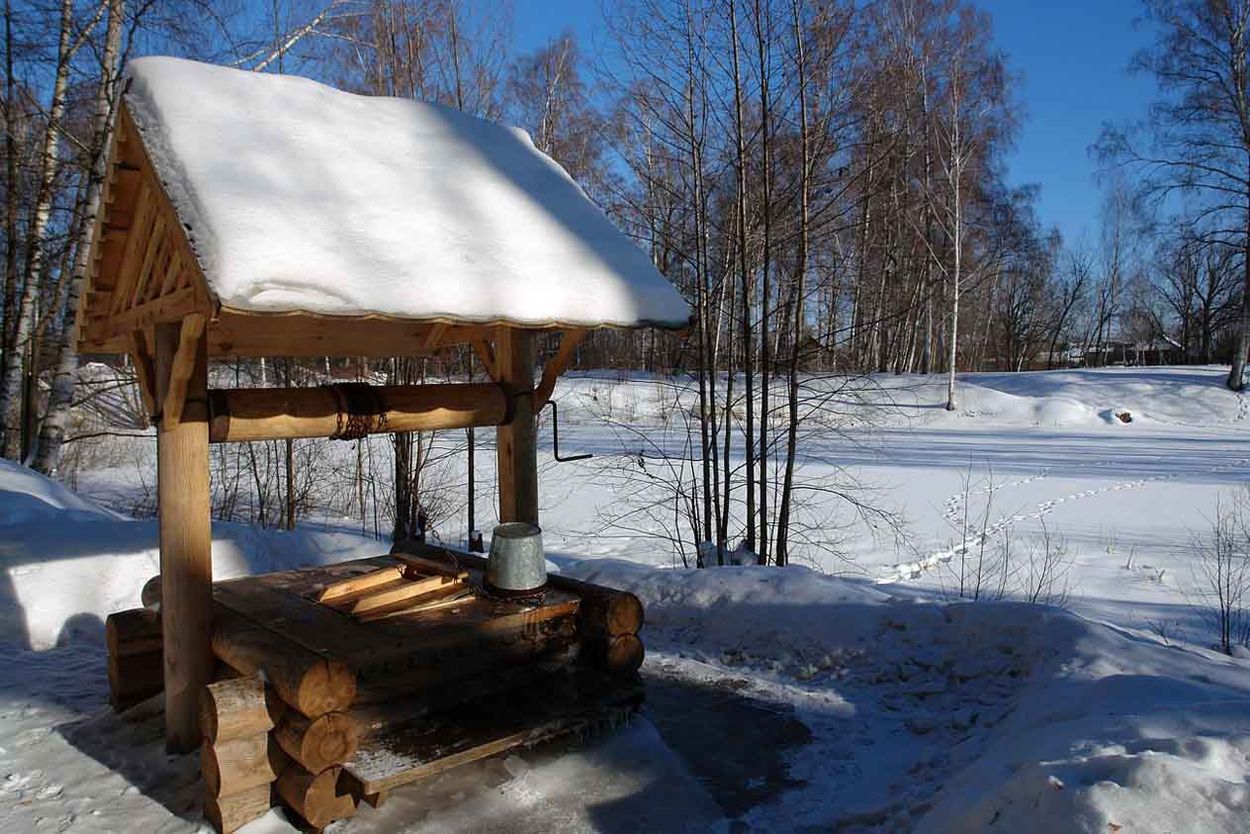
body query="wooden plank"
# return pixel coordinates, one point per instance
(185, 544)
(174, 274)
(564, 354)
(409, 751)
(407, 654)
(434, 337)
(447, 566)
(353, 586)
(602, 611)
(181, 368)
(450, 594)
(239, 333)
(155, 245)
(201, 291)
(517, 442)
(136, 246)
(405, 591)
(163, 310)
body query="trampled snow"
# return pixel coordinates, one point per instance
(870, 697)
(300, 197)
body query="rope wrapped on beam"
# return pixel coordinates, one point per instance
(361, 410)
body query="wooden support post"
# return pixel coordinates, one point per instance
(517, 441)
(186, 541)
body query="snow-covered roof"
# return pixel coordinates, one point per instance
(300, 197)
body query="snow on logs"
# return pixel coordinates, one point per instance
(352, 410)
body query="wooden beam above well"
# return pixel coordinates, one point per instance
(240, 414)
(240, 334)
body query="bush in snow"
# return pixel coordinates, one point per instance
(1222, 573)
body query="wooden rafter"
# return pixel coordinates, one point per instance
(486, 355)
(143, 271)
(145, 374)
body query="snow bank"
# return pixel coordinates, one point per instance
(66, 564)
(1003, 715)
(300, 197)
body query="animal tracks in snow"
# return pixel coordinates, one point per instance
(954, 507)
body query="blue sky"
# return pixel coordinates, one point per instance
(1072, 57)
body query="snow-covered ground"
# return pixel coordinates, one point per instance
(855, 690)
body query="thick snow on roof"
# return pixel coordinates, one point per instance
(300, 197)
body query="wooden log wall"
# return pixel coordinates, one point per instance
(608, 620)
(238, 758)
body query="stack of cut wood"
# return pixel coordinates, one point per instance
(135, 661)
(238, 758)
(309, 736)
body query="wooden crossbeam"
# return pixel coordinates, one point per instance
(486, 355)
(175, 306)
(181, 368)
(435, 337)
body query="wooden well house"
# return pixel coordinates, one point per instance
(251, 215)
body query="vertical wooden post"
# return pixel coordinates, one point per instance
(517, 441)
(185, 529)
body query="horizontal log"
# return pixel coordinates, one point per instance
(305, 680)
(151, 593)
(619, 655)
(315, 796)
(230, 813)
(239, 414)
(317, 743)
(230, 767)
(430, 670)
(134, 678)
(234, 708)
(135, 631)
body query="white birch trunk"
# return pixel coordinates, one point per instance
(47, 450)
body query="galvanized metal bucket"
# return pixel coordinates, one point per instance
(516, 565)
